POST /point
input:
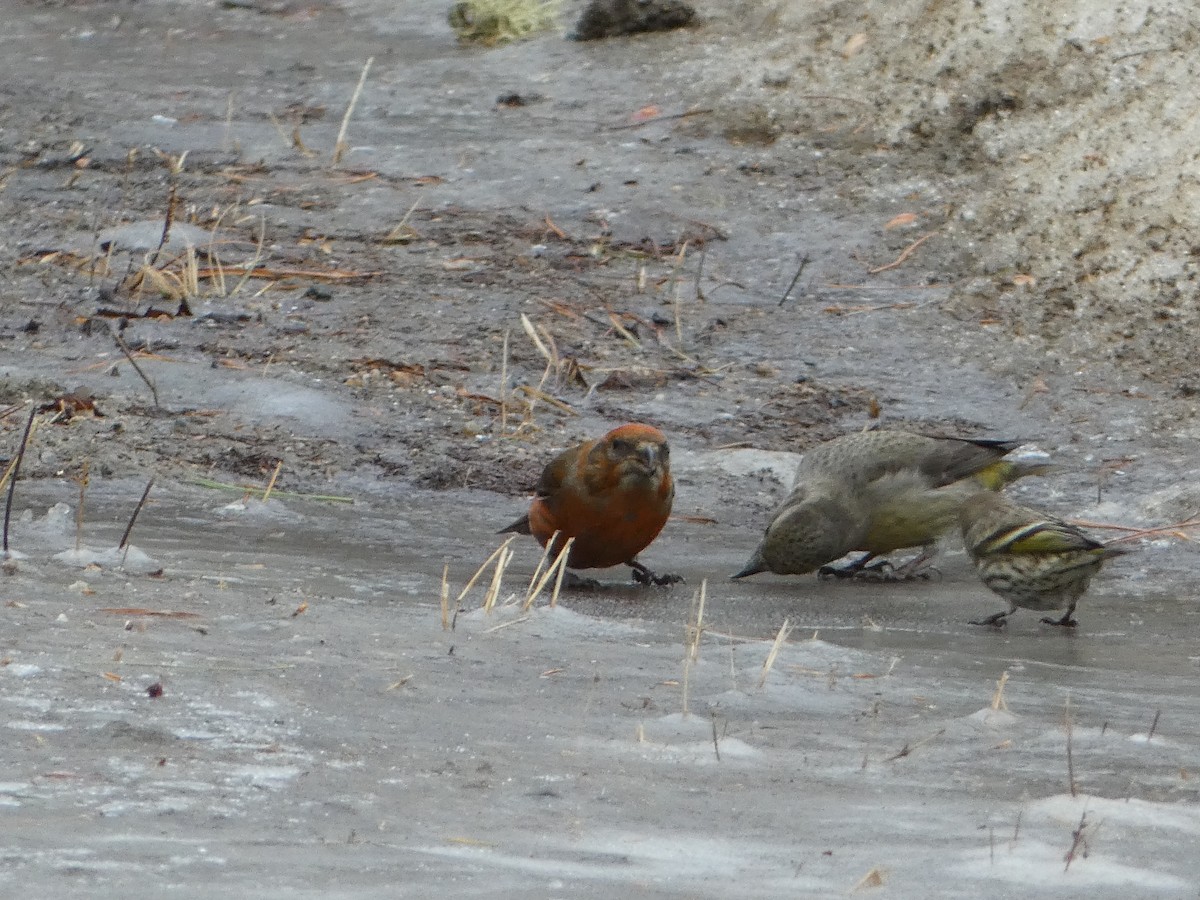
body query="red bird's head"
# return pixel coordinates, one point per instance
(633, 454)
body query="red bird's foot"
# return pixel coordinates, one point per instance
(573, 582)
(642, 575)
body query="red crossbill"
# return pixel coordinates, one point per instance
(1029, 558)
(613, 495)
(878, 491)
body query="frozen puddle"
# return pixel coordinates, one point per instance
(1084, 841)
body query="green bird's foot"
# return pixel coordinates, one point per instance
(850, 570)
(1067, 621)
(997, 621)
(883, 571)
(642, 575)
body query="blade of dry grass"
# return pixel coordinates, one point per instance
(784, 630)
(136, 512)
(271, 484)
(493, 592)
(339, 147)
(12, 473)
(478, 572)
(445, 597)
(561, 565)
(693, 631)
(998, 701)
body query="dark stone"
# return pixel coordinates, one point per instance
(612, 18)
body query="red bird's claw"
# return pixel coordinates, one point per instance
(645, 576)
(573, 582)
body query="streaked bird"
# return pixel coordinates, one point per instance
(612, 495)
(877, 492)
(1030, 559)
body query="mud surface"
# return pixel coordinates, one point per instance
(519, 247)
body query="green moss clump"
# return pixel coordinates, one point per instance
(496, 21)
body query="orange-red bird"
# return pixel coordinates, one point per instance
(613, 495)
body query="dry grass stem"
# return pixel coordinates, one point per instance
(251, 267)
(905, 254)
(133, 362)
(478, 572)
(527, 325)
(784, 630)
(271, 484)
(558, 567)
(136, 512)
(83, 485)
(696, 625)
(339, 147)
(168, 219)
(561, 565)
(531, 592)
(1078, 842)
(493, 591)
(445, 597)
(1069, 725)
(504, 384)
(508, 624)
(791, 284)
(253, 489)
(624, 332)
(283, 135)
(907, 749)
(13, 471)
(676, 299)
(546, 398)
(692, 634)
(534, 396)
(998, 701)
(402, 232)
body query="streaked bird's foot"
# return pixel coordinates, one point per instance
(883, 571)
(877, 571)
(642, 575)
(919, 569)
(996, 621)
(1065, 622)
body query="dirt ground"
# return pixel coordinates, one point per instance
(520, 246)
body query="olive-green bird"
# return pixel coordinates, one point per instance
(879, 491)
(1029, 558)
